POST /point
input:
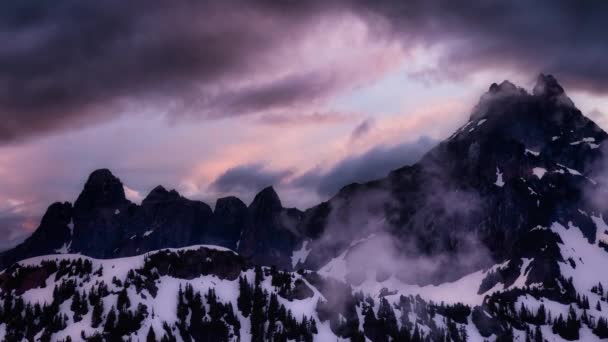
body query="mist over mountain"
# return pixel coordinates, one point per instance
(496, 233)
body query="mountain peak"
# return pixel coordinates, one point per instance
(160, 194)
(506, 90)
(102, 189)
(267, 198)
(100, 175)
(158, 189)
(229, 204)
(547, 85)
(505, 87)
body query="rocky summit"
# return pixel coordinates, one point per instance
(497, 233)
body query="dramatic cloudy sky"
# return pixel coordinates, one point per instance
(226, 97)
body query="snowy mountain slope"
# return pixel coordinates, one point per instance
(150, 282)
(57, 297)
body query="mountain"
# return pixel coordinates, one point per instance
(521, 161)
(102, 223)
(497, 233)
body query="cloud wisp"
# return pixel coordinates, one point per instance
(373, 164)
(248, 178)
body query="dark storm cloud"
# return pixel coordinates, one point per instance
(247, 178)
(287, 91)
(66, 64)
(566, 38)
(373, 164)
(71, 63)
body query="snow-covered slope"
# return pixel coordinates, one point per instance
(60, 297)
(47, 288)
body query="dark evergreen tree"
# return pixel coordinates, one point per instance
(558, 324)
(259, 275)
(585, 318)
(372, 327)
(96, 316)
(601, 329)
(245, 299)
(151, 337)
(464, 336)
(182, 307)
(569, 328)
(538, 335)
(585, 303)
(272, 316)
(168, 336)
(110, 321)
(541, 315)
(123, 302)
(572, 326)
(75, 306)
(387, 319)
(258, 315)
(506, 335)
(416, 336)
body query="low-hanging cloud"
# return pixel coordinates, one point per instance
(422, 251)
(599, 117)
(372, 164)
(595, 192)
(248, 178)
(414, 267)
